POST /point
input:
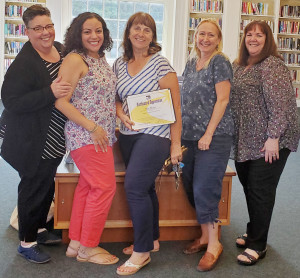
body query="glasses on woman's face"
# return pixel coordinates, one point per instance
(40, 29)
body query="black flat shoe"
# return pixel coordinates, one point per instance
(253, 260)
(243, 237)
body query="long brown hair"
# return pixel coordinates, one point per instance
(147, 20)
(269, 48)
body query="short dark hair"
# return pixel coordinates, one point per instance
(73, 36)
(147, 20)
(33, 11)
(269, 48)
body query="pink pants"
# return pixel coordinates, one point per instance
(93, 195)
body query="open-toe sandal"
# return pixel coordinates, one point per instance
(129, 250)
(135, 267)
(97, 255)
(252, 259)
(244, 238)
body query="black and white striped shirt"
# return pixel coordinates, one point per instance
(55, 142)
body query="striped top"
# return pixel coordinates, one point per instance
(55, 142)
(145, 81)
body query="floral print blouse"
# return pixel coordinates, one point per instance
(263, 105)
(94, 97)
(198, 98)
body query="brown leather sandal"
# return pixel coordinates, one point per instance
(194, 247)
(253, 260)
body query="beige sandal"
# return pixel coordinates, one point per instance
(95, 256)
(130, 264)
(129, 250)
(72, 252)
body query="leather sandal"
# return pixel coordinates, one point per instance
(194, 247)
(129, 250)
(252, 259)
(243, 237)
(95, 256)
(130, 264)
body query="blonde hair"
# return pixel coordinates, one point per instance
(195, 53)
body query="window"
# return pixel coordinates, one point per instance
(116, 13)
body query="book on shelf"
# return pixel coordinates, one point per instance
(14, 10)
(291, 59)
(209, 6)
(288, 43)
(245, 22)
(288, 27)
(289, 11)
(14, 29)
(195, 21)
(251, 8)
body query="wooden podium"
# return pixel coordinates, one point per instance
(177, 218)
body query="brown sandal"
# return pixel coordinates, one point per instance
(194, 247)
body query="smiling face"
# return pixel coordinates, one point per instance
(207, 38)
(140, 37)
(40, 41)
(92, 36)
(255, 41)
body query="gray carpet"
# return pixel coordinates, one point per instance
(282, 258)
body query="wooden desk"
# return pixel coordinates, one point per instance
(177, 218)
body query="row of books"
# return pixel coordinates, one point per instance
(14, 10)
(195, 21)
(245, 22)
(13, 48)
(292, 59)
(289, 27)
(12, 29)
(289, 11)
(212, 6)
(295, 74)
(35, 1)
(255, 8)
(289, 43)
(7, 63)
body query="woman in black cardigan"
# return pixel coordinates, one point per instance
(33, 142)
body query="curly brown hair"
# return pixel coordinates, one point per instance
(73, 37)
(147, 20)
(269, 49)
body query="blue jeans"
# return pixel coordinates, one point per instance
(144, 156)
(203, 174)
(259, 180)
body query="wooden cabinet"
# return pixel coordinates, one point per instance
(177, 218)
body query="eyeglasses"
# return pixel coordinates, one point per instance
(40, 29)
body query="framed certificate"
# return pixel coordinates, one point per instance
(151, 109)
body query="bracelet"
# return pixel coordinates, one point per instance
(94, 129)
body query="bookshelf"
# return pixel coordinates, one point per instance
(201, 9)
(289, 39)
(13, 34)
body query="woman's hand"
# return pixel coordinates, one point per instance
(271, 149)
(126, 121)
(60, 88)
(99, 137)
(204, 142)
(176, 153)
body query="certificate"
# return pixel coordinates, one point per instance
(151, 109)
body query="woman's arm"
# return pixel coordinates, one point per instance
(223, 93)
(170, 81)
(72, 69)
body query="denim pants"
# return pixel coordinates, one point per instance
(203, 174)
(144, 156)
(259, 180)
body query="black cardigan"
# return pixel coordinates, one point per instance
(28, 101)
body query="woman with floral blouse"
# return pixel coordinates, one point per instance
(266, 131)
(207, 133)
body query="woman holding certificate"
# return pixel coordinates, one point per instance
(207, 133)
(141, 69)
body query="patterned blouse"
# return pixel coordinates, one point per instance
(145, 81)
(198, 97)
(263, 105)
(94, 97)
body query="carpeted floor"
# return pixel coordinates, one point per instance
(282, 258)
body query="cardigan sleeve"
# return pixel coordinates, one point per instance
(277, 90)
(26, 86)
